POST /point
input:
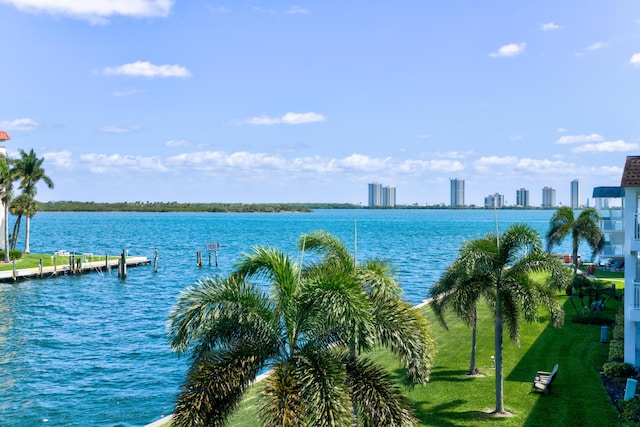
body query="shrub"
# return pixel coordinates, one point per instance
(618, 332)
(629, 412)
(616, 350)
(618, 370)
(14, 254)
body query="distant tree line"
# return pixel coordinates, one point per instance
(70, 206)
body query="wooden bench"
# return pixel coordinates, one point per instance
(543, 380)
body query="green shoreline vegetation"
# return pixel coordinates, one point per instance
(74, 206)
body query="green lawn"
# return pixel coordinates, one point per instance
(577, 396)
(33, 261)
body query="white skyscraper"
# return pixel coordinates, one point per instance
(457, 192)
(548, 197)
(576, 194)
(375, 194)
(522, 197)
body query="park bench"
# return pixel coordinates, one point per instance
(543, 380)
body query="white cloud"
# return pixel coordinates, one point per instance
(177, 143)
(296, 10)
(561, 130)
(96, 11)
(103, 163)
(20, 125)
(220, 9)
(289, 118)
(597, 46)
(61, 159)
(147, 69)
(511, 165)
(635, 60)
(120, 129)
(214, 160)
(575, 139)
(550, 26)
(508, 50)
(607, 147)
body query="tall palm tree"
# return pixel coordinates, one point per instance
(6, 189)
(28, 170)
(458, 291)
(586, 227)
(499, 269)
(301, 329)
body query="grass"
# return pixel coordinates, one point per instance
(577, 396)
(33, 261)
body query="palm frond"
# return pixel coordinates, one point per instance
(280, 399)
(379, 401)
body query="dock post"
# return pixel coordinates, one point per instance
(55, 266)
(122, 270)
(209, 259)
(199, 258)
(155, 261)
(15, 274)
(216, 258)
(79, 264)
(40, 269)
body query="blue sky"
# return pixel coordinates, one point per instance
(274, 101)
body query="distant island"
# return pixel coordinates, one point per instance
(71, 206)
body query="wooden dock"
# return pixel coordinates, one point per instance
(78, 266)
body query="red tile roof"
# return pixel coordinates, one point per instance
(631, 174)
(4, 136)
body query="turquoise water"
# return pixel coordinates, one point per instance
(91, 350)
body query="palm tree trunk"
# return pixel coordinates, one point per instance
(16, 231)
(472, 366)
(6, 230)
(26, 235)
(498, 350)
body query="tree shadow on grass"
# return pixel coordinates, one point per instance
(448, 415)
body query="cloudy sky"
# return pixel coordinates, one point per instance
(274, 101)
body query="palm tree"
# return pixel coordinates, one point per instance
(499, 269)
(301, 329)
(6, 189)
(29, 171)
(459, 292)
(584, 228)
(22, 205)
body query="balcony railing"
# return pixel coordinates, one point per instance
(636, 228)
(636, 295)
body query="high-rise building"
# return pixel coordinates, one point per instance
(522, 197)
(375, 194)
(576, 194)
(494, 201)
(548, 197)
(388, 196)
(457, 192)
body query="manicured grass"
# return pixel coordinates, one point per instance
(33, 261)
(577, 396)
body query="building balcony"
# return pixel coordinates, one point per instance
(635, 235)
(635, 313)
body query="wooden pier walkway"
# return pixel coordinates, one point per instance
(68, 268)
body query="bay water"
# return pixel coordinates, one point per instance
(91, 349)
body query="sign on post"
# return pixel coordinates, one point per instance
(213, 247)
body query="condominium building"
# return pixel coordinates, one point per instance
(380, 195)
(388, 196)
(522, 198)
(375, 194)
(457, 192)
(548, 197)
(576, 194)
(494, 201)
